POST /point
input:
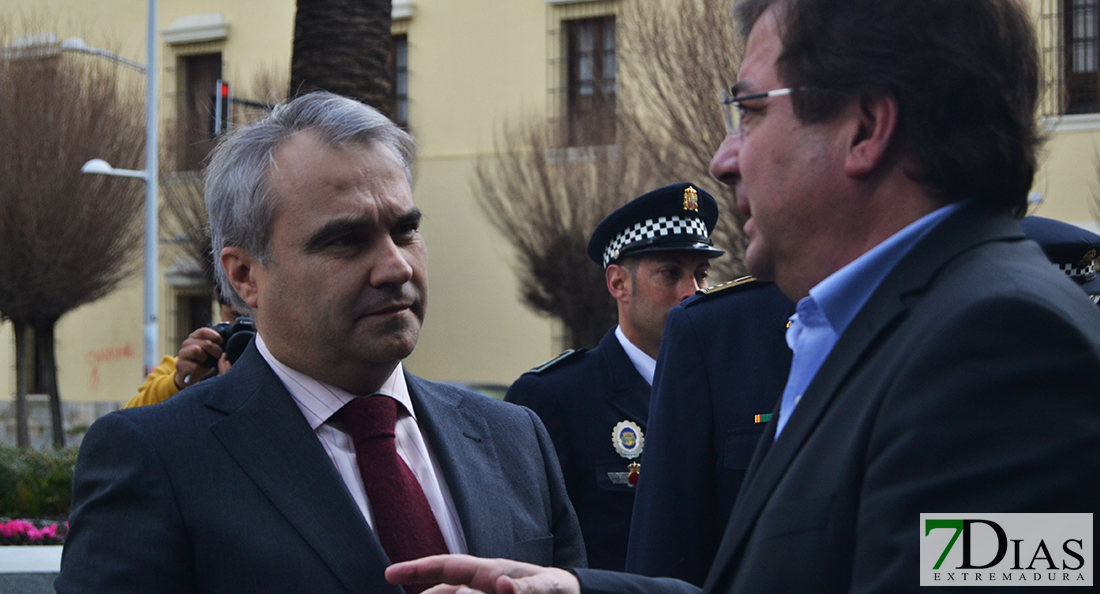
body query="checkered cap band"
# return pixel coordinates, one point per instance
(650, 229)
(1081, 274)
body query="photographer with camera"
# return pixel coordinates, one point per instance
(203, 354)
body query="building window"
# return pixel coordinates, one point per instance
(591, 76)
(399, 70)
(198, 76)
(193, 311)
(1080, 25)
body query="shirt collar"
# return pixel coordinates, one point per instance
(645, 364)
(843, 293)
(319, 400)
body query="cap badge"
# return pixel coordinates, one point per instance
(691, 199)
(1088, 258)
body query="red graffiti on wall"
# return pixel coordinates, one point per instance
(107, 355)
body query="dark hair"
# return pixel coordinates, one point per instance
(965, 74)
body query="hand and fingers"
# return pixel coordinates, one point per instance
(463, 574)
(191, 362)
(223, 364)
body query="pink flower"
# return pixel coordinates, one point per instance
(13, 528)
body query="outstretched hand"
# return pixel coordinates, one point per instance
(463, 574)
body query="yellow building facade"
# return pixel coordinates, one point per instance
(472, 65)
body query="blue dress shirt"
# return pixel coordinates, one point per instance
(823, 315)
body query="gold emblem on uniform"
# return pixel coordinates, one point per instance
(691, 199)
(1088, 258)
(632, 473)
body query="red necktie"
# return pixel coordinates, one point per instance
(403, 520)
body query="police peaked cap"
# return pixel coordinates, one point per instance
(679, 217)
(1071, 249)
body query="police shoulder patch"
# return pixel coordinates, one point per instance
(564, 357)
(728, 288)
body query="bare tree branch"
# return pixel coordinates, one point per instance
(547, 199)
(66, 239)
(676, 57)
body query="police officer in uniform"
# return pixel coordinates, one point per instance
(723, 364)
(656, 252)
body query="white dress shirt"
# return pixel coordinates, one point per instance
(645, 364)
(319, 401)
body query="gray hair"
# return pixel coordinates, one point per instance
(239, 198)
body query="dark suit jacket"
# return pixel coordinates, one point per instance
(581, 397)
(224, 488)
(724, 359)
(967, 383)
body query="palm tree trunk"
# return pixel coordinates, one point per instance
(343, 46)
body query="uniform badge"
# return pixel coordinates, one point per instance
(691, 199)
(628, 441)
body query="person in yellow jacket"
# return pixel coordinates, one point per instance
(188, 367)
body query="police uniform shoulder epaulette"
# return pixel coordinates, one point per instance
(728, 288)
(566, 356)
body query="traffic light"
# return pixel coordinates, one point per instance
(223, 108)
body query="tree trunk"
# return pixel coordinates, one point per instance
(343, 46)
(47, 369)
(22, 356)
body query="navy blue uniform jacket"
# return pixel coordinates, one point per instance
(724, 359)
(225, 488)
(580, 398)
(966, 384)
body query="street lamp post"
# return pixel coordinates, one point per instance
(149, 174)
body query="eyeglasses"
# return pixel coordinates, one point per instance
(731, 107)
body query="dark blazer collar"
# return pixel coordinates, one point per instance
(265, 432)
(971, 226)
(629, 393)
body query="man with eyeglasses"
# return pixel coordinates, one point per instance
(881, 151)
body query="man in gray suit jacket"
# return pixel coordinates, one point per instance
(257, 481)
(880, 150)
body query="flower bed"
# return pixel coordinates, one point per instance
(32, 532)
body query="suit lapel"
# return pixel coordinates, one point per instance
(265, 432)
(629, 394)
(460, 444)
(887, 307)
